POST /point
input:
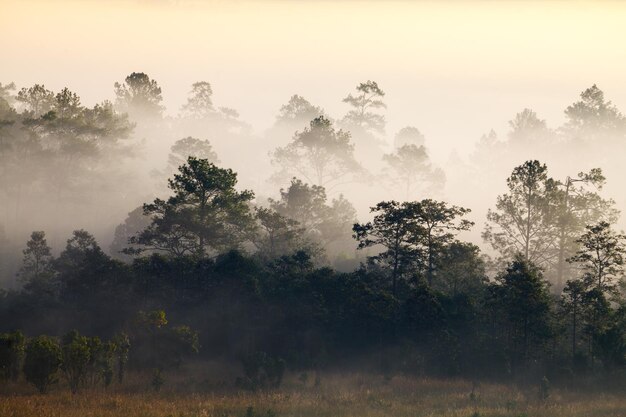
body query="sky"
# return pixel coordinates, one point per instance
(453, 69)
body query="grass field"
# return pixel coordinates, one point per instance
(336, 396)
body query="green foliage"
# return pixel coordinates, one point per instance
(414, 234)
(521, 303)
(12, 349)
(205, 215)
(160, 345)
(601, 256)
(75, 357)
(42, 361)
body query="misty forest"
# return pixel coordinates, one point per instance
(168, 252)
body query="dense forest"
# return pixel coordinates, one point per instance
(132, 239)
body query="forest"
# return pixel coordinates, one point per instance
(355, 261)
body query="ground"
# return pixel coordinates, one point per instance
(335, 396)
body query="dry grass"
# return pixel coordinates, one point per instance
(345, 395)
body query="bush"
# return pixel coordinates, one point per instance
(76, 355)
(12, 347)
(43, 357)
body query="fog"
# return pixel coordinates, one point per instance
(453, 70)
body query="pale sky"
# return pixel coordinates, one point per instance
(453, 69)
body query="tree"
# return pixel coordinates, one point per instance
(189, 146)
(67, 104)
(12, 346)
(408, 135)
(121, 343)
(42, 361)
(75, 357)
(413, 233)
(522, 304)
(601, 257)
(523, 220)
(528, 129)
(298, 111)
(462, 270)
(394, 228)
(593, 118)
(37, 99)
(278, 235)
(577, 204)
(437, 227)
(322, 223)
(200, 103)
(369, 97)
(206, 214)
(36, 268)
(412, 168)
(322, 155)
(139, 96)
(573, 303)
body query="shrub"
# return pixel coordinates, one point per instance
(12, 347)
(43, 357)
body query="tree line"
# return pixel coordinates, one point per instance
(250, 283)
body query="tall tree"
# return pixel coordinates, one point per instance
(368, 98)
(36, 268)
(522, 303)
(199, 103)
(394, 228)
(298, 112)
(37, 99)
(523, 219)
(593, 118)
(601, 257)
(578, 204)
(278, 235)
(415, 235)
(438, 224)
(322, 155)
(205, 215)
(139, 96)
(325, 223)
(412, 170)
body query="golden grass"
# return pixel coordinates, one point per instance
(337, 396)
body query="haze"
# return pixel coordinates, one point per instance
(454, 70)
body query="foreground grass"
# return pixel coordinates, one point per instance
(336, 396)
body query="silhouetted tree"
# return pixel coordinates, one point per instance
(206, 214)
(369, 97)
(523, 221)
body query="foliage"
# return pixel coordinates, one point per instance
(12, 349)
(42, 361)
(205, 214)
